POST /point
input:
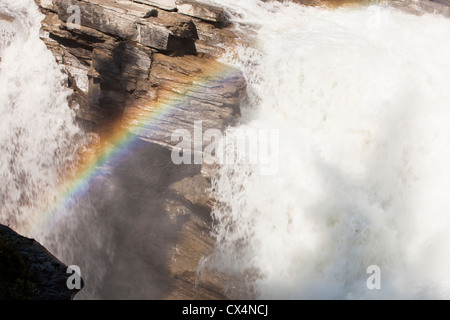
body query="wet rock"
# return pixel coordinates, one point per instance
(190, 8)
(163, 4)
(196, 190)
(134, 64)
(185, 90)
(142, 66)
(201, 10)
(33, 271)
(124, 20)
(48, 4)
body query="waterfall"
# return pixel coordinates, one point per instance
(39, 145)
(37, 128)
(360, 98)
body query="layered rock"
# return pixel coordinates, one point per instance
(184, 89)
(93, 53)
(128, 63)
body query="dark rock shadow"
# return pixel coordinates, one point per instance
(123, 236)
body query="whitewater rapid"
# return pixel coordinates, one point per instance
(361, 101)
(38, 134)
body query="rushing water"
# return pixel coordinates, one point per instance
(361, 101)
(39, 144)
(361, 98)
(37, 130)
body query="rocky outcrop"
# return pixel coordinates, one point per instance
(115, 35)
(29, 271)
(202, 11)
(128, 63)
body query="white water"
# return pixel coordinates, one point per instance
(37, 129)
(361, 98)
(39, 141)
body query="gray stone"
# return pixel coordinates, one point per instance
(134, 64)
(124, 7)
(153, 36)
(201, 10)
(100, 18)
(77, 70)
(169, 5)
(138, 60)
(108, 17)
(133, 61)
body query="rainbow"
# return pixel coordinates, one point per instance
(122, 143)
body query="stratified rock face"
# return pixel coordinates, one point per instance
(190, 8)
(163, 4)
(43, 276)
(124, 55)
(185, 89)
(125, 20)
(150, 67)
(202, 11)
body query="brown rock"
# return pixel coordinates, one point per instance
(127, 62)
(185, 89)
(195, 190)
(125, 21)
(163, 4)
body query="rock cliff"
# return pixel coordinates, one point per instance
(126, 55)
(125, 61)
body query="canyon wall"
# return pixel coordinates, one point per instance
(126, 61)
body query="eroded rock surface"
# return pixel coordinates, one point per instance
(149, 67)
